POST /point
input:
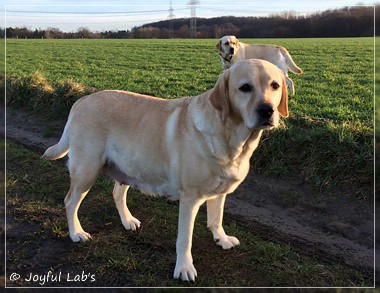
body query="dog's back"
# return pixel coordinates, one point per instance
(275, 54)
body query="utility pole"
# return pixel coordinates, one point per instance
(170, 17)
(193, 19)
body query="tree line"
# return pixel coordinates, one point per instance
(355, 21)
(346, 22)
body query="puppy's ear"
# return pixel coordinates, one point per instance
(283, 106)
(237, 43)
(219, 96)
(219, 45)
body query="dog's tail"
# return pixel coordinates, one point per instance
(289, 61)
(60, 149)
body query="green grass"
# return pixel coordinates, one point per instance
(166, 68)
(377, 87)
(38, 240)
(327, 140)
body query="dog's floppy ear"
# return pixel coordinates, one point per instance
(283, 106)
(219, 96)
(219, 45)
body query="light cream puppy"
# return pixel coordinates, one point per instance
(193, 149)
(231, 50)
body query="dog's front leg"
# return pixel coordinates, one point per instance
(184, 267)
(215, 208)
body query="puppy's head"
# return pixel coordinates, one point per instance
(227, 47)
(254, 91)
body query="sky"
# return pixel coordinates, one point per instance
(105, 15)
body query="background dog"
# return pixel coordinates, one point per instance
(231, 50)
(194, 149)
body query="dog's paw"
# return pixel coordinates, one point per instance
(227, 242)
(186, 272)
(131, 224)
(81, 236)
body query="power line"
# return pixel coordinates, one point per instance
(90, 12)
(82, 23)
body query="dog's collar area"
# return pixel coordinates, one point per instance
(226, 58)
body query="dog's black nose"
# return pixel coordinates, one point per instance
(265, 111)
(232, 50)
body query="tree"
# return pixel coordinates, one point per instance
(183, 32)
(84, 33)
(53, 33)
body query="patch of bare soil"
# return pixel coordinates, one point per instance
(335, 226)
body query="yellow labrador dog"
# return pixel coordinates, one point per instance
(194, 149)
(231, 50)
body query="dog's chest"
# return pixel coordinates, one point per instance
(228, 178)
(231, 167)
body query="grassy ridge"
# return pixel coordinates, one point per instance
(327, 138)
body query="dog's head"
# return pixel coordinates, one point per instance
(252, 90)
(227, 47)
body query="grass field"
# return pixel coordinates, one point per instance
(377, 86)
(327, 140)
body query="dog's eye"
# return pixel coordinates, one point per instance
(275, 85)
(245, 88)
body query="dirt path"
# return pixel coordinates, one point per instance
(335, 227)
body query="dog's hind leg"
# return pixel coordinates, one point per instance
(290, 84)
(81, 181)
(120, 197)
(215, 207)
